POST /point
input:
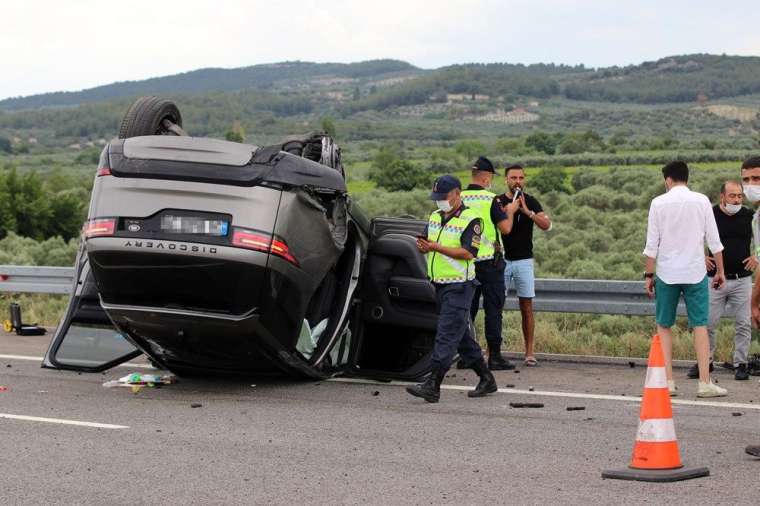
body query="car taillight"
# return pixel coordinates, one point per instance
(259, 242)
(99, 227)
(104, 171)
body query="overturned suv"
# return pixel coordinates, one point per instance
(216, 257)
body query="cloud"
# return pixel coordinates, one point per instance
(49, 46)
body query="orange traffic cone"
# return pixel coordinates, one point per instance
(655, 452)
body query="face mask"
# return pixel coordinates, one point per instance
(443, 205)
(752, 192)
(732, 208)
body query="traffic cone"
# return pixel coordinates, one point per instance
(655, 452)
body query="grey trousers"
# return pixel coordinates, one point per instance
(737, 293)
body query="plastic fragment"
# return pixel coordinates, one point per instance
(576, 408)
(526, 405)
(196, 405)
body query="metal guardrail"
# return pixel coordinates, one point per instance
(33, 279)
(552, 295)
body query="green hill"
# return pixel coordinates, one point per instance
(282, 75)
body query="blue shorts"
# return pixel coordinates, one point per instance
(519, 274)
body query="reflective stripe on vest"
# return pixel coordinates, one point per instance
(442, 268)
(481, 201)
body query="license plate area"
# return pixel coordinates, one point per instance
(179, 225)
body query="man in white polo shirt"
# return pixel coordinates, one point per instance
(680, 222)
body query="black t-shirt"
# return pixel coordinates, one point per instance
(470, 238)
(518, 245)
(736, 236)
(497, 213)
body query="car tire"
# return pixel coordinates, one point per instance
(146, 117)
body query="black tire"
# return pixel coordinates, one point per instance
(146, 115)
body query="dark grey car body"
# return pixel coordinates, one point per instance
(288, 275)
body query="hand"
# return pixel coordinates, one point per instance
(649, 287)
(750, 263)
(719, 280)
(426, 246)
(710, 263)
(756, 316)
(511, 208)
(523, 206)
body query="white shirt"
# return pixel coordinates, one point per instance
(680, 222)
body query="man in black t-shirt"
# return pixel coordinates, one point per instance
(735, 230)
(518, 250)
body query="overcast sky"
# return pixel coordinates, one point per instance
(76, 44)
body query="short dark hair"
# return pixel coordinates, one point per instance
(730, 181)
(752, 162)
(514, 166)
(676, 170)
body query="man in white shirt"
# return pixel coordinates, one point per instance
(680, 222)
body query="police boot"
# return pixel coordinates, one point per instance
(430, 390)
(487, 383)
(498, 363)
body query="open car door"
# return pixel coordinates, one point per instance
(398, 307)
(85, 339)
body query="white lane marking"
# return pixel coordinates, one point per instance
(62, 421)
(571, 395)
(40, 359)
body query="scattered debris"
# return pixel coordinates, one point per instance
(631, 364)
(253, 386)
(137, 380)
(376, 393)
(526, 405)
(736, 413)
(509, 385)
(530, 389)
(516, 371)
(3, 389)
(588, 419)
(196, 405)
(9, 365)
(42, 391)
(576, 408)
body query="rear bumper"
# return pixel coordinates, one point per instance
(205, 308)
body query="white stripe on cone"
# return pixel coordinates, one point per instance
(656, 430)
(656, 378)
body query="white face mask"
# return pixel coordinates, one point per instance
(752, 192)
(732, 208)
(443, 205)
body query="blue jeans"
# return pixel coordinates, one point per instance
(453, 331)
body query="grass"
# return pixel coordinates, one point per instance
(567, 333)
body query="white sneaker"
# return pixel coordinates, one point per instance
(710, 390)
(672, 388)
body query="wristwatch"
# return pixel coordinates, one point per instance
(648, 275)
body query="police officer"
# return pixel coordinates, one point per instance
(451, 245)
(489, 264)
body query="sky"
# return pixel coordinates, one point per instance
(77, 44)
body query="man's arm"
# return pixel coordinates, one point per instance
(470, 243)
(507, 216)
(649, 282)
(713, 243)
(756, 302)
(536, 214)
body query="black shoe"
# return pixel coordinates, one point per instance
(430, 390)
(753, 450)
(498, 363)
(461, 365)
(741, 373)
(487, 383)
(694, 371)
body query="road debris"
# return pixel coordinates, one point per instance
(526, 405)
(376, 393)
(576, 408)
(196, 405)
(136, 381)
(631, 364)
(509, 385)
(737, 413)
(3, 389)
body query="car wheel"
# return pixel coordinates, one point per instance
(151, 116)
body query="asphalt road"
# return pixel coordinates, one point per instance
(336, 442)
